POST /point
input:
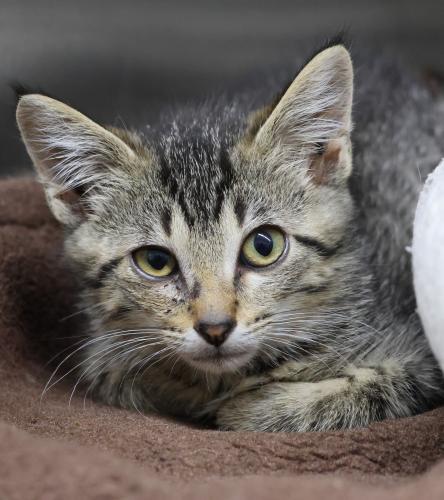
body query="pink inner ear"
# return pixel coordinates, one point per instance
(73, 199)
(322, 167)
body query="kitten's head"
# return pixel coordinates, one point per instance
(218, 237)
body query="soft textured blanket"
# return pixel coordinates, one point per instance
(52, 449)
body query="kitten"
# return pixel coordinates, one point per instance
(234, 267)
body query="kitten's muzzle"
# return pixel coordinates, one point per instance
(215, 333)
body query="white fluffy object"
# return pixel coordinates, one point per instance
(428, 260)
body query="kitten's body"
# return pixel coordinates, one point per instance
(340, 344)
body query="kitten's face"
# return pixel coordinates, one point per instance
(208, 269)
(220, 243)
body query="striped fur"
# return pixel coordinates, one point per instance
(328, 337)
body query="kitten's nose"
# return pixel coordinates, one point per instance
(215, 333)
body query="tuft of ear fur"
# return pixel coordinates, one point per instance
(313, 118)
(74, 157)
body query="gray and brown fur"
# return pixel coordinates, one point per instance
(326, 338)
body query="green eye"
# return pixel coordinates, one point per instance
(154, 261)
(263, 247)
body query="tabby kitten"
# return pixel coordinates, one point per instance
(234, 269)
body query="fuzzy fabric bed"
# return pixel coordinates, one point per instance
(50, 449)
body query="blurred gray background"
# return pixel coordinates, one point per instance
(111, 59)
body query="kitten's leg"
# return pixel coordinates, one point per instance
(358, 397)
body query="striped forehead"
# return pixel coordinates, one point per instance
(213, 249)
(197, 173)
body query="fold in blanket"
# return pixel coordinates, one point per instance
(52, 449)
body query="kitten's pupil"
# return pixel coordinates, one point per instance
(263, 243)
(157, 259)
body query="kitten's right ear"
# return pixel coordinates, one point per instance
(75, 158)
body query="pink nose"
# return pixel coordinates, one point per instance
(215, 333)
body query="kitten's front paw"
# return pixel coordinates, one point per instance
(292, 371)
(361, 396)
(290, 406)
(277, 406)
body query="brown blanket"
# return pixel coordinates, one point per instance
(50, 449)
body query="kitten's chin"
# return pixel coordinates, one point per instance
(219, 362)
(234, 354)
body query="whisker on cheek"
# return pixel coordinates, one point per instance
(124, 354)
(140, 334)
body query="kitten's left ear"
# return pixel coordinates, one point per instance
(312, 120)
(76, 159)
